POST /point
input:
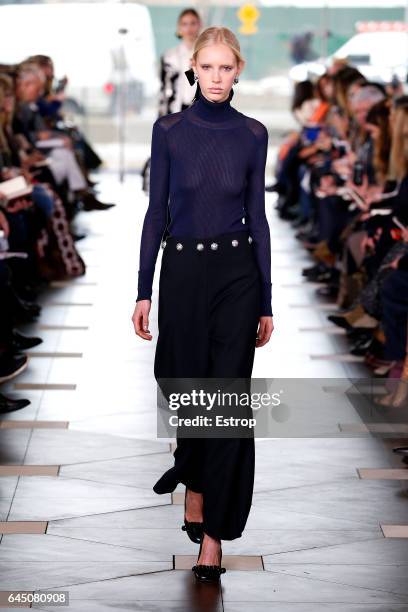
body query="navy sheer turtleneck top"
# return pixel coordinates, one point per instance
(207, 177)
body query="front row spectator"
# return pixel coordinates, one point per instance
(50, 162)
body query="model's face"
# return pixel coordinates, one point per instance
(216, 67)
(189, 27)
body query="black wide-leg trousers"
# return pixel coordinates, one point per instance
(209, 304)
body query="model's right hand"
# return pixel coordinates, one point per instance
(140, 319)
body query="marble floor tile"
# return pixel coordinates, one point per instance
(47, 498)
(276, 587)
(325, 454)
(13, 445)
(377, 551)
(5, 504)
(8, 486)
(386, 578)
(379, 501)
(66, 446)
(46, 561)
(142, 425)
(52, 548)
(142, 471)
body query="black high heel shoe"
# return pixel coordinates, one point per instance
(194, 529)
(208, 573)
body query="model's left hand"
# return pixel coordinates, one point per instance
(265, 330)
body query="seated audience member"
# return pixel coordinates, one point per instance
(342, 182)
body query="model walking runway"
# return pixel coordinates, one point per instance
(207, 187)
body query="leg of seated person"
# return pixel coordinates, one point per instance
(65, 166)
(394, 295)
(6, 326)
(43, 200)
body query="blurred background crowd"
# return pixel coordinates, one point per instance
(44, 183)
(342, 182)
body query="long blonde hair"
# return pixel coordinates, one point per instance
(6, 87)
(215, 35)
(399, 148)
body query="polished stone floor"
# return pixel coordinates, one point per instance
(328, 524)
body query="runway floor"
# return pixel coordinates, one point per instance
(328, 526)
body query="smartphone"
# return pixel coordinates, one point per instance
(358, 173)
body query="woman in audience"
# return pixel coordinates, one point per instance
(57, 148)
(43, 230)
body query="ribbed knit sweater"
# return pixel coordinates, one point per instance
(207, 177)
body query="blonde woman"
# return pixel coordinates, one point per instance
(215, 285)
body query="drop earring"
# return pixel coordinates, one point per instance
(195, 77)
(236, 80)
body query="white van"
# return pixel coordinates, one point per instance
(379, 55)
(97, 46)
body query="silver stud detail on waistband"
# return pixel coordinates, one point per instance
(234, 243)
(249, 239)
(214, 246)
(179, 246)
(163, 244)
(200, 246)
